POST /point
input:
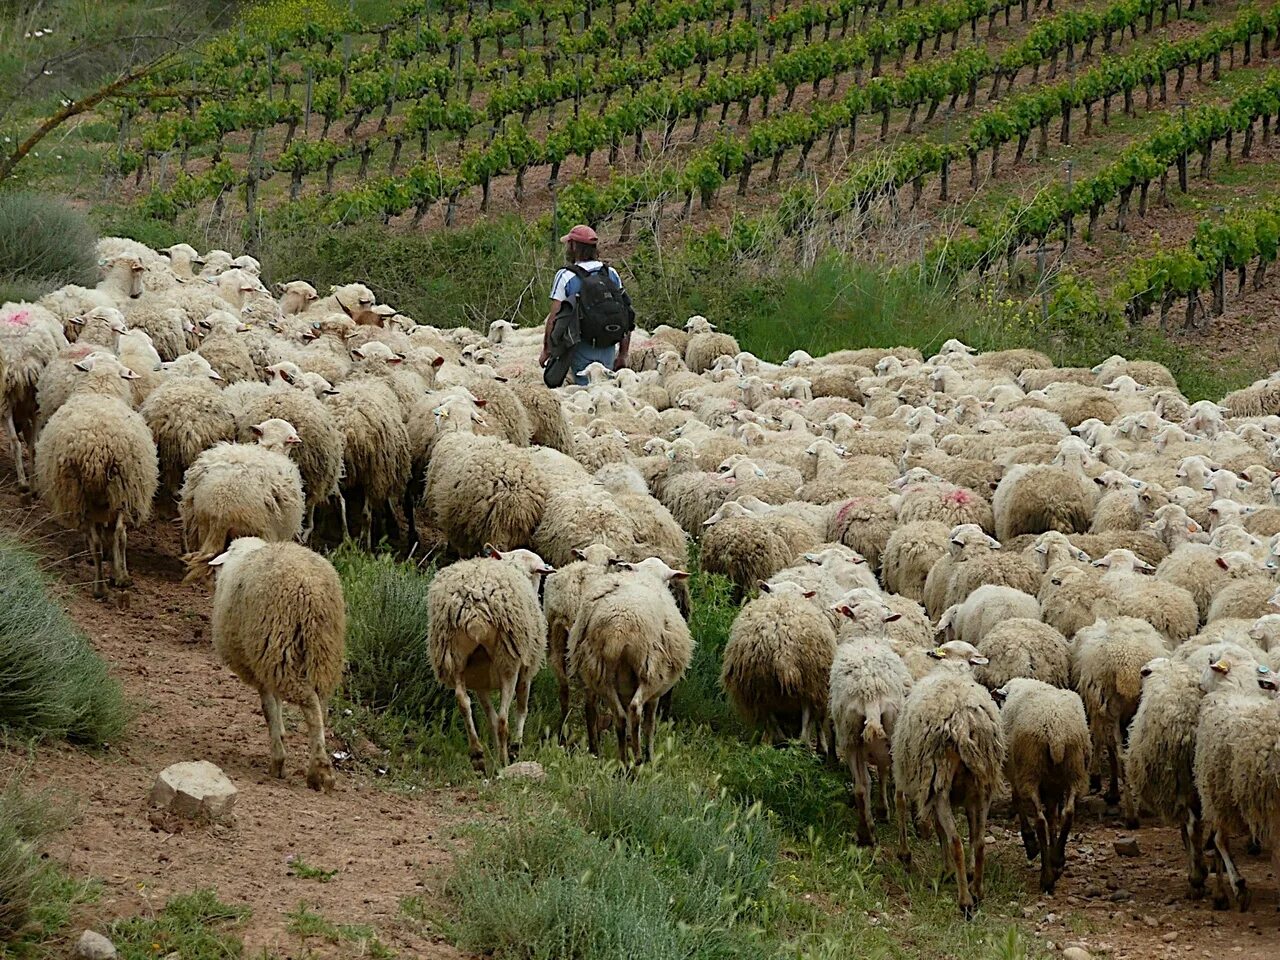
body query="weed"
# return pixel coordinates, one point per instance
(305, 922)
(52, 682)
(24, 820)
(196, 926)
(304, 871)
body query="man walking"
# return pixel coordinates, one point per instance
(590, 318)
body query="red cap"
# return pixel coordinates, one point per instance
(582, 233)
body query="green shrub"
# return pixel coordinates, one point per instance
(699, 698)
(795, 784)
(23, 821)
(52, 682)
(44, 243)
(388, 666)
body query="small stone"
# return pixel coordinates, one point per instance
(1076, 953)
(194, 789)
(1127, 847)
(1093, 891)
(94, 946)
(1077, 944)
(524, 770)
(1091, 807)
(1151, 921)
(1028, 912)
(1050, 918)
(1169, 937)
(1120, 896)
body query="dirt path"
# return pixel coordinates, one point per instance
(384, 845)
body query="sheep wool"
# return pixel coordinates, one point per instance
(279, 623)
(1023, 647)
(483, 490)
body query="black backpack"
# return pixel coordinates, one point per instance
(604, 309)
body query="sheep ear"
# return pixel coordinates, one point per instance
(809, 594)
(220, 559)
(1222, 563)
(892, 617)
(257, 429)
(979, 661)
(679, 574)
(398, 358)
(491, 552)
(86, 364)
(438, 362)
(480, 403)
(580, 554)
(764, 587)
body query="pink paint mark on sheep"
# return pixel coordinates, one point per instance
(19, 318)
(958, 497)
(846, 508)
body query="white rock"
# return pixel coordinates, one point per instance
(524, 770)
(1076, 953)
(94, 946)
(194, 789)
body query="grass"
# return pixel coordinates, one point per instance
(52, 682)
(195, 926)
(306, 923)
(304, 871)
(26, 883)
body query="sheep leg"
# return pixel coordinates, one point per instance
(523, 685)
(308, 525)
(95, 551)
(635, 724)
(320, 769)
(806, 718)
(1112, 796)
(1064, 832)
(620, 720)
(953, 848)
(1193, 840)
(275, 729)
(119, 550)
(15, 448)
(861, 776)
(1238, 891)
(904, 851)
(342, 512)
(473, 738)
(978, 841)
(1030, 840)
(593, 726)
(559, 644)
(502, 726)
(650, 722)
(1047, 876)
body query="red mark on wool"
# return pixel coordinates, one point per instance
(961, 498)
(843, 513)
(21, 318)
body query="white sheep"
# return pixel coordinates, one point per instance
(279, 623)
(487, 633)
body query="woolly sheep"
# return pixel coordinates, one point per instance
(910, 552)
(1033, 499)
(629, 646)
(1107, 666)
(487, 633)
(562, 597)
(705, 345)
(1047, 765)
(983, 609)
(777, 662)
(96, 468)
(279, 622)
(1023, 647)
(375, 449)
(237, 490)
(187, 414)
(868, 686)
(1165, 606)
(949, 746)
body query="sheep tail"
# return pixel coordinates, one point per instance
(873, 728)
(1057, 752)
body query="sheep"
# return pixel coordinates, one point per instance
(562, 596)
(1067, 597)
(1160, 757)
(1107, 666)
(1023, 647)
(629, 645)
(546, 416)
(166, 324)
(65, 374)
(868, 685)
(1047, 765)
(1234, 768)
(375, 449)
(830, 572)
(983, 609)
(186, 414)
(1165, 606)
(319, 456)
(224, 348)
(279, 623)
(96, 468)
(910, 552)
(1033, 499)
(746, 548)
(945, 503)
(484, 490)
(241, 490)
(30, 337)
(486, 632)
(949, 746)
(1246, 599)
(777, 662)
(865, 524)
(705, 345)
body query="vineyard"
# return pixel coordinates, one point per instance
(1016, 142)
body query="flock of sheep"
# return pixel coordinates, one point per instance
(1095, 553)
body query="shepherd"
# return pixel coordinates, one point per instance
(591, 318)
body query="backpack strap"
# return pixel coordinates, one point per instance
(578, 272)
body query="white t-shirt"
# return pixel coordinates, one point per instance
(566, 284)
